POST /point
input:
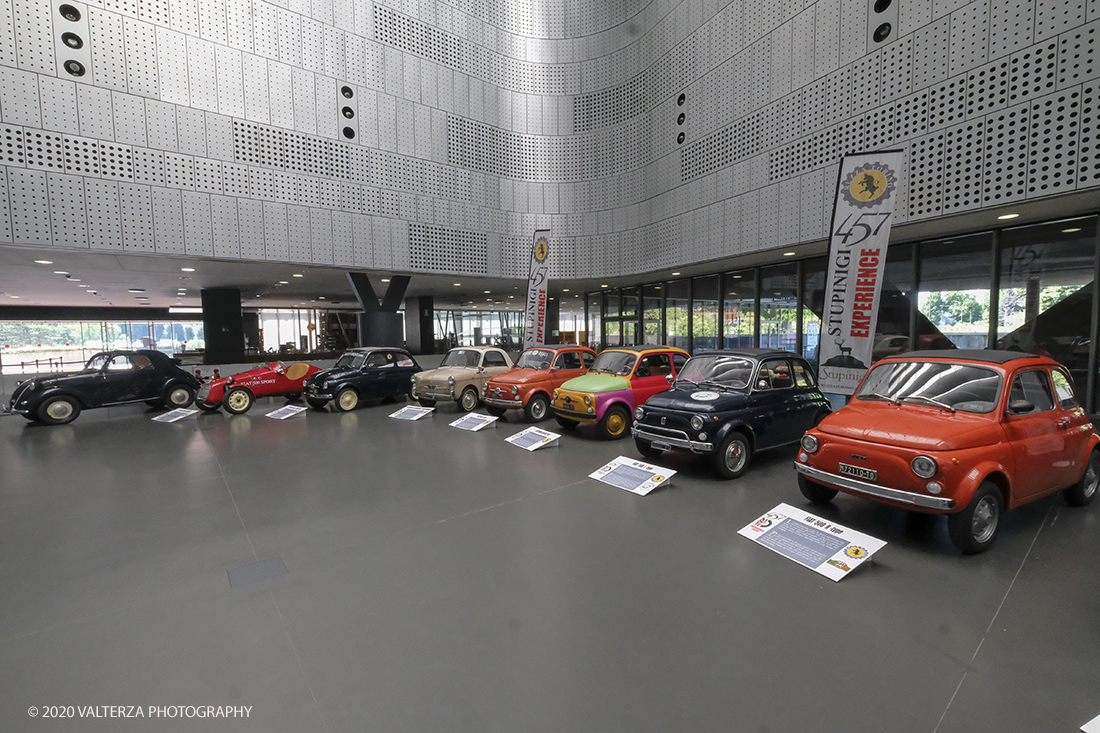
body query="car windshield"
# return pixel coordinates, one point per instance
(353, 360)
(963, 387)
(614, 362)
(721, 371)
(97, 362)
(461, 358)
(535, 359)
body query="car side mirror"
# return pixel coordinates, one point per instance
(1020, 407)
(669, 378)
(761, 384)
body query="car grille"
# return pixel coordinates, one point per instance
(203, 392)
(668, 432)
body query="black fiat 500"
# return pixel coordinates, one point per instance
(109, 378)
(362, 374)
(729, 404)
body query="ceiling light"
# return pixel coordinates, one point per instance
(565, 290)
(1070, 231)
(511, 296)
(284, 282)
(60, 272)
(137, 290)
(789, 254)
(185, 310)
(43, 262)
(90, 291)
(14, 296)
(486, 292)
(297, 275)
(385, 279)
(320, 297)
(737, 277)
(603, 286)
(187, 269)
(1008, 216)
(458, 285)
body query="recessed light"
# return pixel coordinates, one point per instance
(60, 272)
(320, 297)
(82, 286)
(737, 277)
(675, 273)
(789, 254)
(458, 285)
(43, 262)
(603, 286)
(1070, 231)
(1008, 216)
(284, 282)
(511, 296)
(90, 291)
(385, 279)
(486, 292)
(76, 280)
(137, 290)
(187, 269)
(14, 296)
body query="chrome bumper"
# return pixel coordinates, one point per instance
(687, 444)
(880, 492)
(434, 395)
(497, 402)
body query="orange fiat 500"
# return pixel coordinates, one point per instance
(529, 384)
(969, 434)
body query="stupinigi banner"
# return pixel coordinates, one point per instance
(866, 190)
(534, 322)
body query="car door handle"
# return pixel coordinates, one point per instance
(1063, 423)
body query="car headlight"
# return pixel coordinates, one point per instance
(809, 443)
(413, 379)
(450, 380)
(587, 400)
(696, 422)
(924, 466)
(484, 386)
(515, 389)
(555, 395)
(639, 412)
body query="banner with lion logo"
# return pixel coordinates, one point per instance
(860, 233)
(534, 321)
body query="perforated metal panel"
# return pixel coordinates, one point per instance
(179, 171)
(931, 53)
(1052, 148)
(1006, 155)
(240, 26)
(223, 221)
(202, 74)
(191, 130)
(1011, 27)
(1088, 155)
(305, 101)
(197, 224)
(168, 221)
(142, 72)
(108, 49)
(104, 214)
(161, 125)
(281, 92)
(33, 35)
(250, 218)
(1055, 16)
(299, 234)
(212, 25)
(58, 104)
(926, 176)
(137, 217)
(116, 161)
(964, 157)
(19, 100)
(129, 113)
(1033, 72)
(148, 166)
(1079, 55)
(257, 105)
(171, 49)
(276, 243)
(68, 221)
(8, 57)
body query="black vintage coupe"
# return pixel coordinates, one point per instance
(109, 378)
(729, 404)
(362, 374)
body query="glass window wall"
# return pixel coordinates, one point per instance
(779, 306)
(677, 313)
(739, 309)
(651, 314)
(704, 314)
(813, 299)
(954, 292)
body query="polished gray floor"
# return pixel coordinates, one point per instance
(447, 581)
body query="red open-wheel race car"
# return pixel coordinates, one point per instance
(237, 393)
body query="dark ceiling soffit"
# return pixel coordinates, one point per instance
(90, 313)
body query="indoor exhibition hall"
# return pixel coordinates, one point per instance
(541, 366)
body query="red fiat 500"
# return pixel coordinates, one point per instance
(969, 434)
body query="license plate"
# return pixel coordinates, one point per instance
(568, 406)
(661, 446)
(859, 472)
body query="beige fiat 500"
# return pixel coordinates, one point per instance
(460, 376)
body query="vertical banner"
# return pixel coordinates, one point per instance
(534, 322)
(860, 232)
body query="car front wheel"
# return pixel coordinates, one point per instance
(237, 401)
(1081, 493)
(974, 528)
(206, 407)
(815, 492)
(537, 408)
(468, 400)
(315, 403)
(426, 402)
(732, 458)
(614, 423)
(180, 396)
(565, 422)
(646, 449)
(347, 400)
(59, 410)
(495, 411)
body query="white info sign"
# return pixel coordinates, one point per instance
(177, 414)
(634, 476)
(811, 541)
(411, 413)
(533, 438)
(473, 421)
(288, 411)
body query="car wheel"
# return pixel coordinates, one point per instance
(974, 528)
(815, 492)
(565, 422)
(1081, 493)
(646, 449)
(537, 408)
(207, 408)
(347, 400)
(732, 458)
(614, 423)
(237, 400)
(58, 411)
(468, 400)
(294, 397)
(315, 403)
(426, 402)
(180, 396)
(495, 411)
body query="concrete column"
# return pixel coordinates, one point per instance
(420, 324)
(223, 326)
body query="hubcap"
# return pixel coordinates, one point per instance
(538, 409)
(60, 410)
(179, 396)
(735, 456)
(469, 400)
(984, 523)
(238, 400)
(615, 423)
(348, 400)
(1092, 477)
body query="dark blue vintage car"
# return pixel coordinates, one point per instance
(371, 372)
(729, 404)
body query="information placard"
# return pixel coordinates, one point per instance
(1093, 726)
(809, 540)
(634, 476)
(409, 412)
(286, 411)
(473, 421)
(177, 414)
(533, 438)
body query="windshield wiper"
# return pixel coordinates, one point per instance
(681, 379)
(880, 396)
(929, 400)
(712, 383)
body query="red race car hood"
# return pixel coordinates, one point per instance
(521, 376)
(912, 426)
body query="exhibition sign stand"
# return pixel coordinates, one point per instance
(288, 411)
(813, 542)
(634, 476)
(411, 413)
(533, 438)
(473, 422)
(174, 415)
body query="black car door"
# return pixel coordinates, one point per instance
(128, 378)
(771, 393)
(373, 380)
